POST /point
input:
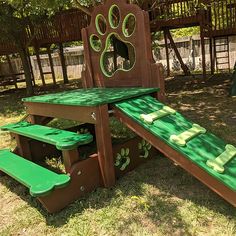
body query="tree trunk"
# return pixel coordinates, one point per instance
(26, 67)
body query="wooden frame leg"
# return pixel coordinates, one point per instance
(70, 157)
(104, 146)
(23, 147)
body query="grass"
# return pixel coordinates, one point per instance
(158, 198)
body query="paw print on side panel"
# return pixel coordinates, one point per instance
(144, 148)
(122, 159)
(116, 52)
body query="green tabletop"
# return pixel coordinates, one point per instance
(199, 150)
(91, 97)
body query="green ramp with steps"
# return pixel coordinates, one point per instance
(62, 139)
(39, 180)
(201, 147)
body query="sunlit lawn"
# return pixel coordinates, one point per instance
(158, 198)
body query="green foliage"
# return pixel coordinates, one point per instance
(183, 32)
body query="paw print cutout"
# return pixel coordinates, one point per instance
(122, 159)
(110, 39)
(144, 148)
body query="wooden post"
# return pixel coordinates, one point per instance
(104, 146)
(212, 56)
(183, 66)
(51, 65)
(63, 64)
(39, 65)
(23, 147)
(12, 71)
(203, 53)
(203, 21)
(70, 157)
(31, 68)
(167, 54)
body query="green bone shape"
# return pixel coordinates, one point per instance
(187, 135)
(218, 163)
(150, 118)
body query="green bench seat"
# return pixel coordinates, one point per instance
(39, 180)
(62, 139)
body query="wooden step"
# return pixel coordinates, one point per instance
(62, 139)
(223, 44)
(222, 51)
(39, 180)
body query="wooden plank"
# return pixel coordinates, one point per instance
(76, 113)
(63, 64)
(183, 66)
(104, 146)
(167, 54)
(51, 65)
(39, 65)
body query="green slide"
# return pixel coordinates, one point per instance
(191, 140)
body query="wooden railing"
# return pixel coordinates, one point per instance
(171, 9)
(7, 48)
(223, 14)
(63, 27)
(217, 15)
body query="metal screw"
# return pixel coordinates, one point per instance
(82, 188)
(93, 115)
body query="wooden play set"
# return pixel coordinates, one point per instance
(121, 80)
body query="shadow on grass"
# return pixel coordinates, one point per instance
(191, 83)
(11, 104)
(165, 188)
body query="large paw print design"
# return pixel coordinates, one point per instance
(111, 41)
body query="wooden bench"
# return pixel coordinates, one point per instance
(39, 180)
(62, 139)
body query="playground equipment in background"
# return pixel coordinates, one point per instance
(120, 79)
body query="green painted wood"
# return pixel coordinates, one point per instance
(199, 150)
(220, 161)
(187, 135)
(150, 118)
(91, 97)
(62, 139)
(39, 180)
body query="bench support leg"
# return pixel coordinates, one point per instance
(23, 147)
(104, 146)
(70, 157)
(85, 177)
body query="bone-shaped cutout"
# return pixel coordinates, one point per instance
(218, 163)
(187, 135)
(43, 189)
(150, 118)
